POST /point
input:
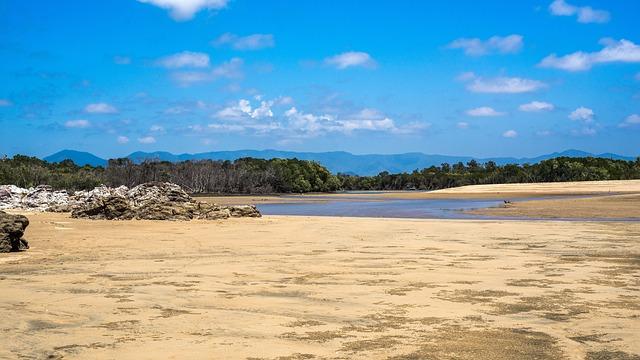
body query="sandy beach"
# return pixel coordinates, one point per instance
(310, 287)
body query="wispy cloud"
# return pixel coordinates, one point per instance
(351, 59)
(308, 124)
(497, 44)
(122, 140)
(77, 124)
(504, 85)
(230, 70)
(585, 14)
(631, 121)
(147, 140)
(156, 128)
(100, 108)
(5, 103)
(536, 106)
(484, 111)
(249, 42)
(182, 10)
(462, 125)
(184, 59)
(582, 114)
(622, 51)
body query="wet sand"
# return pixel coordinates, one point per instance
(599, 207)
(311, 288)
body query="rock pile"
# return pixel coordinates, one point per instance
(11, 230)
(150, 201)
(40, 198)
(154, 201)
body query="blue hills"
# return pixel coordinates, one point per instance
(335, 161)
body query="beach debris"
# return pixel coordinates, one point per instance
(12, 229)
(148, 201)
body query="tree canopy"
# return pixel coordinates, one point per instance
(258, 176)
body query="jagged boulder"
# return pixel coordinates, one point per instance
(12, 229)
(244, 211)
(110, 207)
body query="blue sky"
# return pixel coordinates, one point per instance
(483, 78)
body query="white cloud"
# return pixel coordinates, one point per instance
(622, 51)
(631, 120)
(77, 124)
(497, 44)
(500, 85)
(351, 59)
(544, 133)
(100, 108)
(230, 70)
(510, 134)
(243, 109)
(181, 10)
(536, 106)
(122, 60)
(249, 42)
(122, 139)
(308, 124)
(582, 114)
(462, 125)
(585, 14)
(5, 102)
(243, 116)
(184, 59)
(484, 111)
(147, 140)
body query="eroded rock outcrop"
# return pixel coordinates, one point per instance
(149, 201)
(12, 229)
(155, 201)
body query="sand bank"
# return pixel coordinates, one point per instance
(497, 191)
(303, 288)
(602, 207)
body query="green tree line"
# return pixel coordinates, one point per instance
(258, 176)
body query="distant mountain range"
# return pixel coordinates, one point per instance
(335, 161)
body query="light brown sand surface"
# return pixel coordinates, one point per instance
(313, 288)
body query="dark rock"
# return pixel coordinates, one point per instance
(12, 229)
(244, 211)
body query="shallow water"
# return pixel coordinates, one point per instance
(393, 208)
(388, 208)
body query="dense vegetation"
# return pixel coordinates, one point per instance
(253, 176)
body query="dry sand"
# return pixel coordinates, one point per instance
(497, 191)
(306, 288)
